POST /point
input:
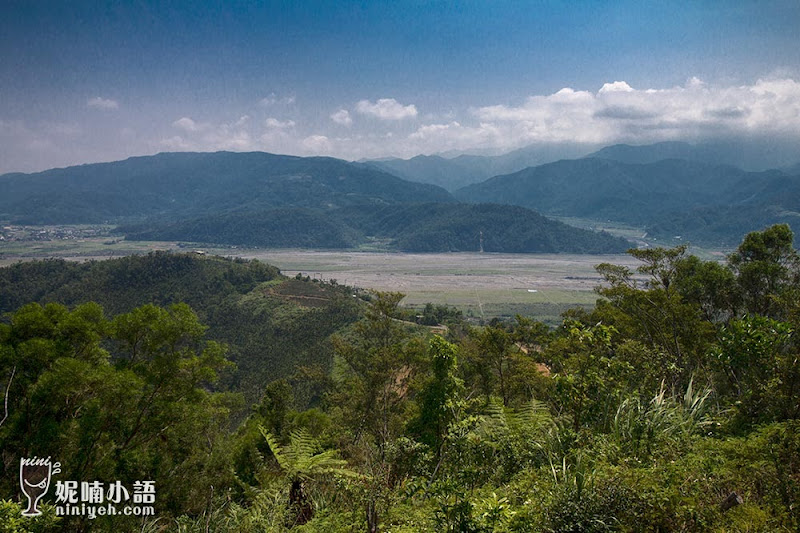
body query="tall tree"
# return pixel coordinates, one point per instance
(766, 265)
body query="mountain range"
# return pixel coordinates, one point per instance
(754, 154)
(182, 185)
(259, 199)
(453, 173)
(705, 203)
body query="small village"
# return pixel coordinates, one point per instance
(21, 233)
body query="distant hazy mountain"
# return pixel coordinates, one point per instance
(414, 228)
(700, 202)
(182, 185)
(447, 173)
(792, 170)
(720, 226)
(764, 199)
(606, 189)
(454, 173)
(747, 154)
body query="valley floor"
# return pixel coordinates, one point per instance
(481, 285)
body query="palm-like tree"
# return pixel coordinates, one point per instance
(301, 462)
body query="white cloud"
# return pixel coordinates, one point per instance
(318, 144)
(608, 113)
(617, 86)
(452, 136)
(273, 99)
(186, 124)
(621, 113)
(277, 124)
(386, 109)
(342, 117)
(102, 103)
(206, 136)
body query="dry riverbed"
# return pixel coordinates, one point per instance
(481, 285)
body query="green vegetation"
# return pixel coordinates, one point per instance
(277, 228)
(721, 226)
(270, 324)
(671, 406)
(412, 228)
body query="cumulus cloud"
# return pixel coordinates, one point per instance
(619, 112)
(186, 124)
(102, 103)
(274, 123)
(207, 136)
(386, 109)
(318, 144)
(453, 136)
(617, 86)
(342, 117)
(611, 112)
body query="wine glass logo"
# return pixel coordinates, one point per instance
(34, 480)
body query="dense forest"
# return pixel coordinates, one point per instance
(672, 406)
(431, 227)
(246, 305)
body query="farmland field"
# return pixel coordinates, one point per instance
(481, 285)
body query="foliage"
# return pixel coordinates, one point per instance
(300, 463)
(130, 412)
(246, 305)
(676, 393)
(12, 521)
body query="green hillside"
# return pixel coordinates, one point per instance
(413, 228)
(182, 185)
(270, 323)
(605, 189)
(275, 228)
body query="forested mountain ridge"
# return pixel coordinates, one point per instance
(751, 154)
(668, 198)
(432, 227)
(181, 185)
(460, 227)
(607, 189)
(270, 323)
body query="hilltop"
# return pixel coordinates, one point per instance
(185, 185)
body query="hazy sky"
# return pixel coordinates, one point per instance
(98, 81)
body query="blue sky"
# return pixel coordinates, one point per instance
(97, 81)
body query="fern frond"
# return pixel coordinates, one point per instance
(283, 461)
